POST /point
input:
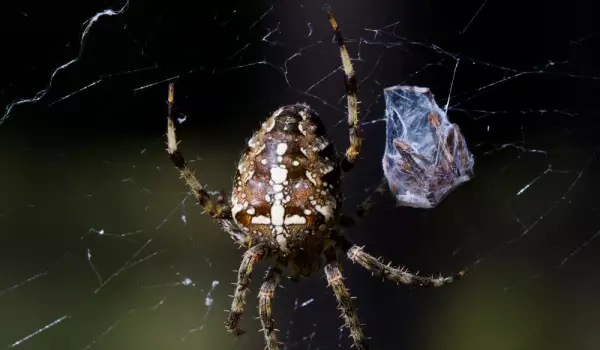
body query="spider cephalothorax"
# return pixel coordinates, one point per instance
(287, 185)
(286, 203)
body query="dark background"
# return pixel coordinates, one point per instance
(96, 161)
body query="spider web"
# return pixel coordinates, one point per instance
(103, 248)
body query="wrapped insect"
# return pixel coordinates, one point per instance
(426, 156)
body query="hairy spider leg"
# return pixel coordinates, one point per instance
(265, 296)
(219, 210)
(399, 275)
(351, 95)
(250, 258)
(336, 282)
(221, 197)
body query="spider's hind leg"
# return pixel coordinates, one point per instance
(336, 282)
(221, 199)
(219, 210)
(398, 275)
(351, 95)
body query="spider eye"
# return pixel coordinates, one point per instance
(287, 122)
(288, 119)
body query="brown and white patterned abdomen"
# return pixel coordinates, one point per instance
(287, 186)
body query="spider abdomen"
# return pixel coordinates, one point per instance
(287, 185)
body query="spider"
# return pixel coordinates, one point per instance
(286, 204)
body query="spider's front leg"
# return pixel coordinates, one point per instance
(351, 95)
(219, 210)
(398, 275)
(336, 282)
(251, 257)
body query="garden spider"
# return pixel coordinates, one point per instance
(286, 204)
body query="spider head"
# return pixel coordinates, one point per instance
(287, 186)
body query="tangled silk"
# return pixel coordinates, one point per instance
(426, 156)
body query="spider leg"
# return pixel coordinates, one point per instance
(219, 210)
(267, 290)
(336, 282)
(251, 257)
(398, 275)
(221, 197)
(351, 95)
